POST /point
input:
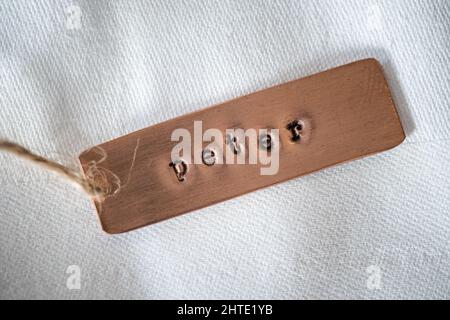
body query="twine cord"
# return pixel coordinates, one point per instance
(88, 185)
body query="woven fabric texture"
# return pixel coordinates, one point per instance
(77, 73)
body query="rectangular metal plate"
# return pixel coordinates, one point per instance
(347, 113)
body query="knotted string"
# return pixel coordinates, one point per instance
(96, 190)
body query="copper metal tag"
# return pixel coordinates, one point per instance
(323, 120)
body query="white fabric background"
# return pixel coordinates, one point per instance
(136, 63)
